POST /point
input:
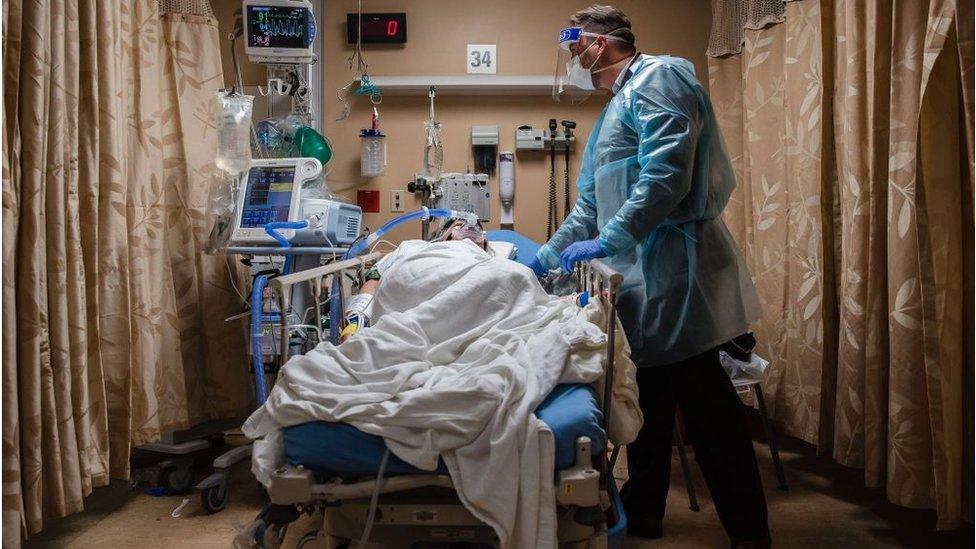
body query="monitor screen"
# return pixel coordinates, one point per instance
(267, 195)
(278, 27)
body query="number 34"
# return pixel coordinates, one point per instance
(482, 59)
(479, 58)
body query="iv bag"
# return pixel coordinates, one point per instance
(233, 122)
(433, 150)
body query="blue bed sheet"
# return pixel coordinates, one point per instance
(337, 449)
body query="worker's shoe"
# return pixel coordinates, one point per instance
(645, 527)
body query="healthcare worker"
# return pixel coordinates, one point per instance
(653, 183)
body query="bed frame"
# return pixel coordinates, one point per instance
(425, 506)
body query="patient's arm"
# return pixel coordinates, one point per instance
(358, 307)
(369, 287)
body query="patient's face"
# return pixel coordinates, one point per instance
(465, 230)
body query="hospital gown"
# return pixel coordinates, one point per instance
(653, 182)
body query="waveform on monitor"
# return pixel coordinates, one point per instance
(291, 27)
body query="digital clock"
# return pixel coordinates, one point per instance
(378, 28)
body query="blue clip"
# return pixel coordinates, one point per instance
(367, 87)
(584, 299)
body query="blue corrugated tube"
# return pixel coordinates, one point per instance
(272, 230)
(257, 360)
(335, 310)
(257, 304)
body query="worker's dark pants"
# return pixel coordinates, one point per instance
(714, 420)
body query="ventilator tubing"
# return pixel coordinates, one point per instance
(335, 307)
(272, 230)
(422, 214)
(257, 304)
(257, 360)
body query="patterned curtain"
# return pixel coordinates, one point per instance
(114, 327)
(849, 138)
(772, 131)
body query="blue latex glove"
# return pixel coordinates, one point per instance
(580, 251)
(537, 267)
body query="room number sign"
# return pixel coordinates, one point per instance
(481, 59)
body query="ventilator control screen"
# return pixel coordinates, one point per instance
(268, 195)
(278, 27)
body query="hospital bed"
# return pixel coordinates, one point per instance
(333, 468)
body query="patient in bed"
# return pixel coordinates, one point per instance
(358, 310)
(462, 347)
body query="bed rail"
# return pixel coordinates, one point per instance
(314, 278)
(603, 282)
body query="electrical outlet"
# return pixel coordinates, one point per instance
(396, 201)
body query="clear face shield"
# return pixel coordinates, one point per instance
(576, 58)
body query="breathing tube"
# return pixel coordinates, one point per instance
(335, 308)
(257, 305)
(272, 230)
(257, 360)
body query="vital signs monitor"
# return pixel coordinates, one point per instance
(279, 31)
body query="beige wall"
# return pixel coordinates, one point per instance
(251, 74)
(437, 34)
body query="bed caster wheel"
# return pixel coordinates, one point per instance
(316, 540)
(176, 478)
(274, 536)
(308, 540)
(214, 498)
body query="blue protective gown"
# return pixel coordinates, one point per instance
(653, 182)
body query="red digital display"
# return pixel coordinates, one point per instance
(378, 28)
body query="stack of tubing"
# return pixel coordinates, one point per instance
(335, 307)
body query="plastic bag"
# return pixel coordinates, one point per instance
(271, 138)
(289, 137)
(221, 205)
(433, 150)
(559, 283)
(233, 120)
(742, 372)
(315, 188)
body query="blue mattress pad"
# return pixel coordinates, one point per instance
(339, 449)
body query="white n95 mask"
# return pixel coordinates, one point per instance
(578, 76)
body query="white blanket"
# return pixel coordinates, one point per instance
(463, 348)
